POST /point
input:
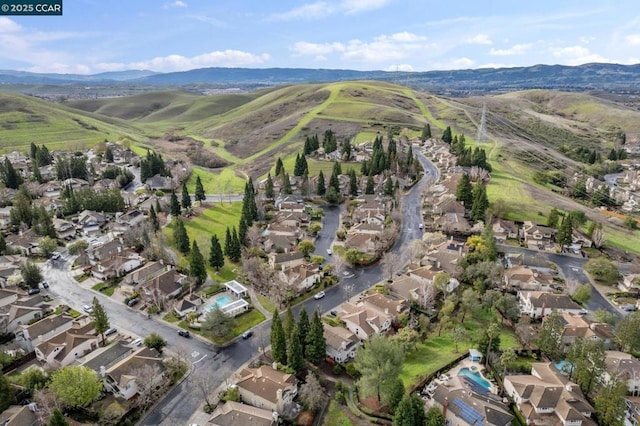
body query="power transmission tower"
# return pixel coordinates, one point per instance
(482, 129)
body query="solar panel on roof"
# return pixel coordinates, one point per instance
(468, 413)
(475, 387)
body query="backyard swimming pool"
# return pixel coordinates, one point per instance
(476, 377)
(220, 302)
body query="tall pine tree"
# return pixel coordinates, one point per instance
(199, 194)
(174, 205)
(464, 191)
(316, 348)
(353, 183)
(480, 202)
(268, 188)
(278, 340)
(321, 189)
(216, 258)
(153, 218)
(197, 268)
(303, 327)
(295, 357)
(180, 237)
(370, 188)
(186, 198)
(228, 242)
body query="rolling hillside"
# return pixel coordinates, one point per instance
(24, 120)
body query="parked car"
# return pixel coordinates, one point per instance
(247, 334)
(137, 342)
(45, 284)
(334, 313)
(110, 331)
(55, 255)
(329, 252)
(88, 309)
(133, 302)
(184, 333)
(33, 291)
(319, 295)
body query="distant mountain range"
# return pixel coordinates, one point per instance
(595, 76)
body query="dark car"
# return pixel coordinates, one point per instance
(184, 333)
(247, 334)
(133, 302)
(33, 291)
(45, 284)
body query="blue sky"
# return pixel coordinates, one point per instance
(110, 35)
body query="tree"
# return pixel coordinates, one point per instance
(550, 336)
(587, 362)
(598, 237)
(31, 274)
(11, 178)
(289, 323)
(458, 334)
(268, 188)
(174, 205)
(180, 237)
(507, 358)
(216, 258)
(582, 294)
(627, 334)
(295, 357)
(434, 417)
(76, 386)
(480, 202)
(306, 247)
(553, 218)
(278, 340)
(316, 347)
(353, 183)
(396, 393)
(199, 194)
(286, 184)
(218, 324)
(47, 246)
(447, 136)
(186, 198)
(312, 393)
(426, 132)
(380, 362)
(279, 167)
(565, 232)
(390, 263)
(303, 328)
(100, 319)
(468, 302)
(235, 248)
(321, 189)
(197, 268)
(603, 270)
(78, 247)
(410, 412)
(493, 334)
(57, 419)
(464, 191)
(153, 218)
(610, 403)
(606, 317)
(6, 393)
(3, 244)
(370, 188)
(228, 242)
(155, 341)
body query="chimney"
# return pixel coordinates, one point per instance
(445, 405)
(544, 305)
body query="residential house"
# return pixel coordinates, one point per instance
(452, 223)
(524, 278)
(65, 230)
(546, 396)
(117, 265)
(341, 343)
(25, 242)
(183, 307)
(366, 228)
(64, 348)
(446, 255)
(537, 236)
(162, 287)
(622, 366)
(630, 283)
(22, 311)
(410, 288)
(280, 261)
(462, 406)
(448, 205)
(20, 415)
(580, 239)
(158, 182)
(75, 183)
(29, 336)
(8, 297)
(126, 378)
(90, 222)
(233, 413)
(575, 326)
(103, 185)
(301, 277)
(266, 387)
(283, 230)
(291, 219)
(145, 273)
(104, 250)
(129, 220)
(371, 315)
(291, 206)
(537, 304)
(505, 229)
(280, 243)
(365, 243)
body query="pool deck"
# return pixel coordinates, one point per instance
(448, 379)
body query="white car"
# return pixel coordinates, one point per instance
(88, 309)
(137, 342)
(421, 226)
(329, 252)
(319, 295)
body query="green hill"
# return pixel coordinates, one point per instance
(25, 119)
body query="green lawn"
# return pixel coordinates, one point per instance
(266, 303)
(223, 181)
(336, 417)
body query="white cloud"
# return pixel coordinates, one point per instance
(177, 3)
(479, 39)
(219, 58)
(496, 65)
(322, 9)
(586, 40)
(633, 39)
(576, 55)
(452, 64)
(357, 6)
(402, 37)
(314, 49)
(516, 49)
(8, 26)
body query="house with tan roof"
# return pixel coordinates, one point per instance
(341, 343)
(184, 307)
(146, 272)
(448, 205)
(547, 397)
(64, 228)
(25, 242)
(524, 278)
(117, 265)
(7, 297)
(452, 223)
(623, 366)
(285, 260)
(284, 243)
(233, 413)
(505, 229)
(22, 311)
(64, 348)
(125, 378)
(165, 286)
(371, 315)
(302, 276)
(538, 235)
(365, 243)
(537, 304)
(29, 336)
(267, 388)
(575, 326)
(20, 415)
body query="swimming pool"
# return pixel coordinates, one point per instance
(220, 302)
(476, 377)
(564, 366)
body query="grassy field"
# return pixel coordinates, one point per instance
(315, 166)
(336, 417)
(221, 181)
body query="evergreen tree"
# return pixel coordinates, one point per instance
(308, 147)
(268, 188)
(337, 168)
(303, 327)
(174, 205)
(426, 132)
(353, 183)
(364, 168)
(580, 190)
(304, 185)
(447, 137)
(197, 268)
(370, 188)
(11, 178)
(158, 206)
(153, 218)
(410, 157)
(613, 155)
(334, 182)
(186, 198)
(228, 242)
(242, 231)
(33, 149)
(297, 166)
(180, 237)
(316, 347)
(480, 202)
(346, 150)
(249, 206)
(564, 235)
(216, 258)
(3, 245)
(278, 340)
(57, 419)
(6, 393)
(108, 154)
(199, 195)
(410, 411)
(388, 187)
(464, 191)
(295, 356)
(286, 184)
(288, 323)
(236, 248)
(279, 167)
(553, 218)
(321, 189)
(37, 176)
(100, 319)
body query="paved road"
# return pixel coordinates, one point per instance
(178, 406)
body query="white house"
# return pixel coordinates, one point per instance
(623, 366)
(122, 378)
(64, 348)
(537, 304)
(341, 343)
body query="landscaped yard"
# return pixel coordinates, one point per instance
(243, 323)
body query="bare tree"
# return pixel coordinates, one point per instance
(339, 265)
(571, 285)
(279, 290)
(426, 295)
(254, 236)
(433, 238)
(46, 401)
(348, 290)
(151, 384)
(598, 238)
(312, 393)
(390, 263)
(389, 235)
(415, 250)
(206, 381)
